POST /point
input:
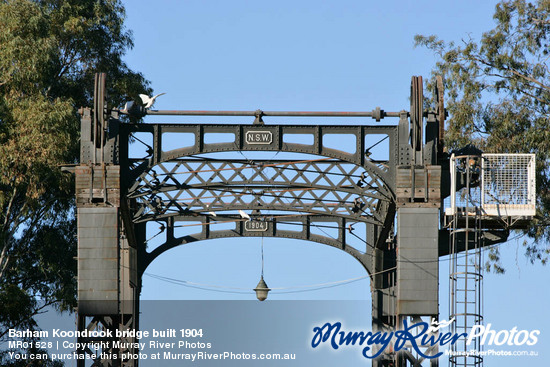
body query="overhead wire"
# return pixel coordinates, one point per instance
(320, 227)
(175, 281)
(228, 289)
(378, 142)
(269, 193)
(313, 287)
(332, 202)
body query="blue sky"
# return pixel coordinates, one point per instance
(307, 55)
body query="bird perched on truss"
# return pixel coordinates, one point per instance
(244, 215)
(363, 181)
(155, 180)
(357, 205)
(147, 101)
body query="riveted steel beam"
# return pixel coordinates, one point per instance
(267, 138)
(204, 228)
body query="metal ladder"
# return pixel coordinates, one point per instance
(466, 262)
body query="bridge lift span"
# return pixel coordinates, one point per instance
(397, 200)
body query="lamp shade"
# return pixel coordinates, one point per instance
(261, 290)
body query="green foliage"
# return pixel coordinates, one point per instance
(493, 262)
(49, 53)
(498, 95)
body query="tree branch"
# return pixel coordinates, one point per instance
(531, 79)
(35, 312)
(519, 89)
(6, 241)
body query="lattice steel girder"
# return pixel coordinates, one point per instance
(191, 173)
(270, 227)
(275, 142)
(329, 187)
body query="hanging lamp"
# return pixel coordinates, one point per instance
(262, 289)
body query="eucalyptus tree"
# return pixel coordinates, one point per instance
(498, 96)
(49, 53)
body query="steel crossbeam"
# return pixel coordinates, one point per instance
(243, 140)
(273, 225)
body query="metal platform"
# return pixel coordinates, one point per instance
(491, 194)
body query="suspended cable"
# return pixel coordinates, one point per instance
(378, 142)
(325, 209)
(373, 247)
(262, 255)
(174, 281)
(336, 283)
(178, 281)
(315, 289)
(233, 289)
(235, 193)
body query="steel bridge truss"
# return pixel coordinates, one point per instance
(193, 184)
(202, 186)
(303, 193)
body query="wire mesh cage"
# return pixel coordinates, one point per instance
(508, 184)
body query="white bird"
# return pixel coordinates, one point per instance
(244, 215)
(149, 101)
(212, 214)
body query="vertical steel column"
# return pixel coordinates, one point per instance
(418, 200)
(383, 292)
(417, 272)
(107, 264)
